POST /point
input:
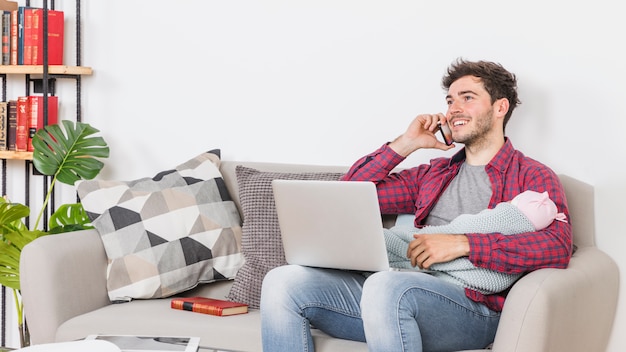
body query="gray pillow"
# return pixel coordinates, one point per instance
(261, 242)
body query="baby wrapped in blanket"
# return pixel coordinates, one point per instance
(529, 211)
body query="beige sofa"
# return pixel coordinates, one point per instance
(65, 296)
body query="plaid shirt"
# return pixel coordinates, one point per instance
(416, 190)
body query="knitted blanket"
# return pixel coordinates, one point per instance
(504, 218)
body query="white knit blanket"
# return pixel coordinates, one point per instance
(504, 218)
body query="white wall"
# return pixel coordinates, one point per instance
(325, 82)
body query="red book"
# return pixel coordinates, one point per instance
(23, 117)
(27, 55)
(13, 37)
(36, 121)
(56, 28)
(211, 306)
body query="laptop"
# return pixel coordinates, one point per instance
(331, 224)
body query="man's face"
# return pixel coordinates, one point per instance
(470, 112)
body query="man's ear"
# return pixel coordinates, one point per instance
(501, 107)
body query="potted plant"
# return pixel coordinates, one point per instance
(67, 154)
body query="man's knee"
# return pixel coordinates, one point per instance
(390, 287)
(282, 279)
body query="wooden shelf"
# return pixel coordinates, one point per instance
(38, 70)
(10, 155)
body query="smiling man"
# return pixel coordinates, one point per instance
(415, 311)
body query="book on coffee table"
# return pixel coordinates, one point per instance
(138, 343)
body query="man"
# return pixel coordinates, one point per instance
(413, 311)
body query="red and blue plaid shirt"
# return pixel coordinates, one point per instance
(416, 190)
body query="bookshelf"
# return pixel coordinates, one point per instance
(41, 79)
(60, 71)
(38, 70)
(46, 74)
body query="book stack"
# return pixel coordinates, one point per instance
(20, 119)
(23, 35)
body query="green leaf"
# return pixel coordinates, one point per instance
(11, 216)
(69, 217)
(11, 248)
(69, 153)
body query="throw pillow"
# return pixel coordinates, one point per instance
(166, 234)
(261, 242)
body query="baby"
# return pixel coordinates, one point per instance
(529, 211)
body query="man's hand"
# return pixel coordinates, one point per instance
(420, 134)
(428, 249)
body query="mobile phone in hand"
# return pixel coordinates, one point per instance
(446, 133)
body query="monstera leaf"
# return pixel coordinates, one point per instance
(69, 156)
(69, 217)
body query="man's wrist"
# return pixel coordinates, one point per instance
(464, 245)
(401, 147)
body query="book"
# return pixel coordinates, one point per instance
(139, 343)
(27, 36)
(4, 121)
(207, 305)
(6, 37)
(12, 125)
(21, 131)
(56, 29)
(13, 37)
(20, 34)
(36, 121)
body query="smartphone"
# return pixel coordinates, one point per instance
(446, 133)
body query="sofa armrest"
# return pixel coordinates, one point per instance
(61, 276)
(562, 309)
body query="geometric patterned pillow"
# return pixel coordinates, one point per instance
(261, 242)
(166, 234)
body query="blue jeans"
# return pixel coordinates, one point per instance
(393, 311)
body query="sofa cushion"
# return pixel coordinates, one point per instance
(261, 242)
(165, 234)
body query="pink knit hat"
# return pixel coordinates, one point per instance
(538, 208)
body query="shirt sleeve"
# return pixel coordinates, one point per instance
(397, 191)
(375, 166)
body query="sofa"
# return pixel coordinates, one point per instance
(63, 286)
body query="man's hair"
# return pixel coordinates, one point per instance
(498, 82)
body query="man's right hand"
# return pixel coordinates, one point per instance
(420, 134)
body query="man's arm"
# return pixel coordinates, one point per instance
(550, 247)
(397, 191)
(511, 254)
(505, 218)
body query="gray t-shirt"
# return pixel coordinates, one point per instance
(469, 192)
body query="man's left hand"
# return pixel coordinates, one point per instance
(428, 249)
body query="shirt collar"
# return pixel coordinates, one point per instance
(502, 159)
(499, 162)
